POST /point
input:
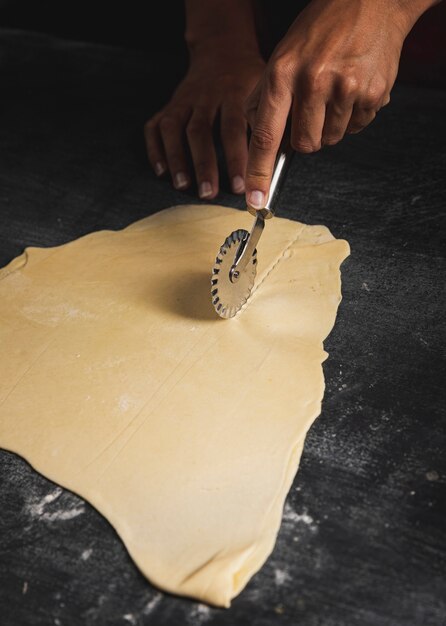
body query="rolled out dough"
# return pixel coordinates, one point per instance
(118, 381)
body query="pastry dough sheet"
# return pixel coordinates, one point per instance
(119, 382)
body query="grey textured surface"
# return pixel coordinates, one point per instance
(363, 536)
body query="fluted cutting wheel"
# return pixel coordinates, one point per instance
(229, 297)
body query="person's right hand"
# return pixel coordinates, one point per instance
(331, 73)
(217, 83)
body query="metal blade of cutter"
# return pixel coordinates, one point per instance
(235, 269)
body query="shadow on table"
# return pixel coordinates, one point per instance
(187, 295)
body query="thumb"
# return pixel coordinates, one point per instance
(268, 126)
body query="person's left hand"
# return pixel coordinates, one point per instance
(217, 84)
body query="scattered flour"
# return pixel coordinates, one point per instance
(199, 614)
(281, 577)
(86, 554)
(152, 604)
(52, 312)
(37, 509)
(290, 515)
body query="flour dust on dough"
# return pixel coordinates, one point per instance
(119, 382)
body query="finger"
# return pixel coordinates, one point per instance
(267, 132)
(235, 145)
(344, 93)
(171, 127)
(369, 102)
(154, 145)
(360, 119)
(337, 118)
(307, 123)
(204, 158)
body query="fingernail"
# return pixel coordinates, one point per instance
(159, 168)
(238, 184)
(205, 189)
(180, 180)
(256, 199)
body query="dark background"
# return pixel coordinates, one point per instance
(158, 29)
(362, 541)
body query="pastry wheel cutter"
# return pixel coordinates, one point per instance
(235, 267)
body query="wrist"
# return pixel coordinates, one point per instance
(410, 11)
(228, 47)
(221, 28)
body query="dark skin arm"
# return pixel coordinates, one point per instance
(332, 71)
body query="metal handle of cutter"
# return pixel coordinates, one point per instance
(248, 245)
(282, 164)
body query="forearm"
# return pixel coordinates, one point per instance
(226, 26)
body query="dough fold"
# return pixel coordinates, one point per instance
(185, 431)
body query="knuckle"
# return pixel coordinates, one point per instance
(364, 118)
(331, 140)
(360, 120)
(274, 77)
(315, 79)
(194, 127)
(348, 86)
(380, 86)
(167, 123)
(371, 98)
(255, 174)
(262, 138)
(199, 125)
(279, 71)
(356, 126)
(332, 135)
(305, 146)
(367, 103)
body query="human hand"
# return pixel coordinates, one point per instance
(217, 84)
(334, 70)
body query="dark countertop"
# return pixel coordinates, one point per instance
(363, 541)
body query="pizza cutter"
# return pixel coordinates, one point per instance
(235, 267)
